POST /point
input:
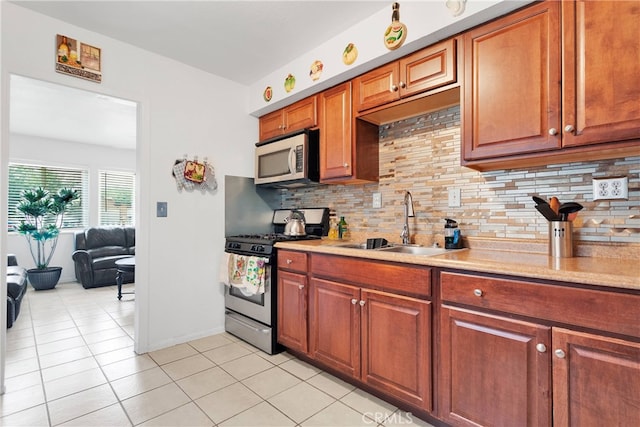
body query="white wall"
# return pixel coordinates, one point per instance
(427, 22)
(181, 111)
(51, 152)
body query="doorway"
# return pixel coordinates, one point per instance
(53, 125)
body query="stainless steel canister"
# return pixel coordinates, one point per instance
(561, 239)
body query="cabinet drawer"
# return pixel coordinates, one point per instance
(294, 261)
(590, 308)
(398, 278)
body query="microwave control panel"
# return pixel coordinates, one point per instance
(299, 158)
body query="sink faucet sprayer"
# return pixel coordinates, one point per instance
(408, 212)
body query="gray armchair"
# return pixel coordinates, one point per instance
(97, 250)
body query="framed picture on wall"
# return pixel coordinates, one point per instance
(78, 59)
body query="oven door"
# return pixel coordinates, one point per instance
(257, 307)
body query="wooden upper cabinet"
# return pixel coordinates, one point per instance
(300, 115)
(348, 147)
(377, 87)
(424, 70)
(511, 88)
(601, 66)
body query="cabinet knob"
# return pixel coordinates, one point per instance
(553, 131)
(541, 348)
(361, 303)
(346, 165)
(569, 128)
(559, 354)
(354, 301)
(289, 261)
(394, 88)
(402, 85)
(300, 287)
(477, 292)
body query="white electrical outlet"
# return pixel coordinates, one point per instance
(454, 197)
(377, 200)
(610, 188)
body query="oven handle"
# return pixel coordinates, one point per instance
(245, 324)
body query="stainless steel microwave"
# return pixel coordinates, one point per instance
(289, 162)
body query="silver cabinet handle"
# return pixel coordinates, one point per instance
(541, 348)
(362, 303)
(300, 287)
(569, 128)
(354, 301)
(559, 354)
(346, 165)
(394, 88)
(402, 85)
(553, 131)
(477, 292)
(289, 261)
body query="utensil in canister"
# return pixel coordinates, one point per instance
(568, 208)
(547, 212)
(555, 204)
(539, 200)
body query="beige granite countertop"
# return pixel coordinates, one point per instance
(610, 272)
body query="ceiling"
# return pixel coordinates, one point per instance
(242, 41)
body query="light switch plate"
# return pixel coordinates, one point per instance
(377, 200)
(611, 188)
(454, 197)
(161, 209)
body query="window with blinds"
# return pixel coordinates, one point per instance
(117, 196)
(52, 179)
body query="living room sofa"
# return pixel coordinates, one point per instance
(16, 288)
(97, 250)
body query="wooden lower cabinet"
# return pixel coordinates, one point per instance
(380, 338)
(396, 343)
(596, 380)
(292, 310)
(492, 372)
(497, 367)
(334, 325)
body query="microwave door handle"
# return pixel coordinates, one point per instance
(292, 160)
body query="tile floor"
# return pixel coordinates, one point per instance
(70, 361)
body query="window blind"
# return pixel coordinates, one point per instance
(52, 179)
(117, 196)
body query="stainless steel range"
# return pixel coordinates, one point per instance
(253, 318)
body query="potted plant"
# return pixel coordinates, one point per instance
(43, 217)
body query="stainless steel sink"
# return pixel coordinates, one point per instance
(414, 250)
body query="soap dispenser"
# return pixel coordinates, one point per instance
(452, 237)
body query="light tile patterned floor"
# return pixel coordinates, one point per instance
(70, 361)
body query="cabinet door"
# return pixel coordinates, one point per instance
(601, 65)
(335, 132)
(511, 86)
(271, 125)
(428, 69)
(396, 342)
(596, 380)
(292, 310)
(492, 373)
(301, 115)
(376, 87)
(334, 314)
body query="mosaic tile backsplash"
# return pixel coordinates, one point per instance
(421, 155)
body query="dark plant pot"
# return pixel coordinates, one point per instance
(46, 278)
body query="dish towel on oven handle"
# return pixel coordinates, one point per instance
(247, 273)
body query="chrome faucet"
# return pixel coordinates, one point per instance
(408, 212)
